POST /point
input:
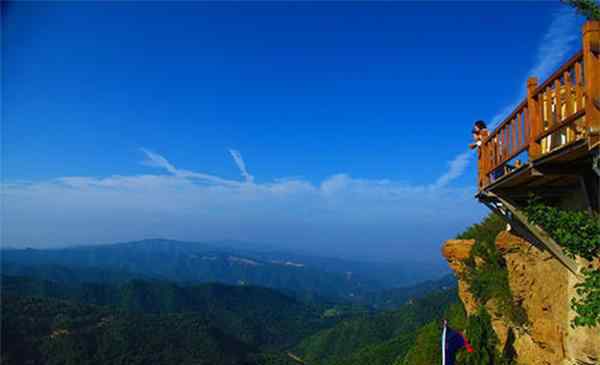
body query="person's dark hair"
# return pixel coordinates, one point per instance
(480, 124)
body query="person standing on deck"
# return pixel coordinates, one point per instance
(480, 133)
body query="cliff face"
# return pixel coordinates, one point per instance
(544, 288)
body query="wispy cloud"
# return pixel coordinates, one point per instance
(239, 161)
(557, 43)
(156, 160)
(340, 214)
(456, 168)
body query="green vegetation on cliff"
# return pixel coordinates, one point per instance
(486, 231)
(426, 349)
(484, 341)
(487, 276)
(486, 271)
(579, 234)
(478, 329)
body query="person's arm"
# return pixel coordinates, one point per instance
(476, 139)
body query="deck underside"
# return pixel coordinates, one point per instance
(553, 175)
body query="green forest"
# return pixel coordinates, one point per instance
(158, 322)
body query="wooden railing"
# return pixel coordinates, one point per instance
(563, 109)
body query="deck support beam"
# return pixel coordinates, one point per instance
(561, 170)
(515, 225)
(589, 186)
(516, 218)
(549, 192)
(596, 161)
(590, 183)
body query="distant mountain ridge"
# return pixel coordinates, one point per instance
(188, 262)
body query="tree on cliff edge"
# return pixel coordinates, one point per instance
(588, 8)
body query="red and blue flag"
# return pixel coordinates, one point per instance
(452, 341)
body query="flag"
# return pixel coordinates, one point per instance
(452, 341)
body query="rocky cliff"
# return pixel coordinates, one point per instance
(544, 289)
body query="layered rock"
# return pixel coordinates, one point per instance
(544, 288)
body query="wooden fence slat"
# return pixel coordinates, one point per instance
(518, 129)
(569, 109)
(504, 143)
(578, 87)
(526, 133)
(513, 131)
(547, 109)
(557, 102)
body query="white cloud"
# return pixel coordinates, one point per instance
(340, 215)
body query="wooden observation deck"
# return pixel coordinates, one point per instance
(549, 145)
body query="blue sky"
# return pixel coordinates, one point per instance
(338, 128)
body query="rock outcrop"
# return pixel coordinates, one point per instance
(456, 253)
(544, 288)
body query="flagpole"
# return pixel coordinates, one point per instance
(444, 343)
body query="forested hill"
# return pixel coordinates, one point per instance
(389, 299)
(143, 322)
(257, 316)
(40, 331)
(375, 339)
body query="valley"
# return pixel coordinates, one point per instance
(173, 302)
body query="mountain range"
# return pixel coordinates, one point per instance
(191, 262)
(163, 302)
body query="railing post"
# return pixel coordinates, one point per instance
(535, 120)
(591, 65)
(481, 168)
(484, 162)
